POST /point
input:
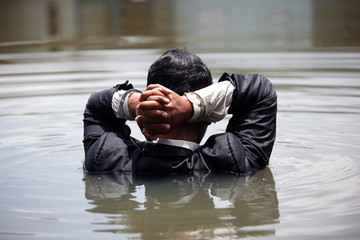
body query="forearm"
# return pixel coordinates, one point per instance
(158, 109)
(211, 103)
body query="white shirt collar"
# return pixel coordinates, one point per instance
(177, 143)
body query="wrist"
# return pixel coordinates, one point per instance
(197, 105)
(120, 104)
(133, 102)
(188, 111)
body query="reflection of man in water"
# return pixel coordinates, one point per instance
(172, 207)
(173, 116)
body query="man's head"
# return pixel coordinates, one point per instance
(179, 71)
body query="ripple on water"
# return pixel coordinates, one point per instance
(315, 159)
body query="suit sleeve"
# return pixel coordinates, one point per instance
(247, 144)
(106, 137)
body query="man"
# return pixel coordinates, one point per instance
(173, 113)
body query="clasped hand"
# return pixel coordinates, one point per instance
(160, 110)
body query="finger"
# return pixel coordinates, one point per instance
(159, 99)
(147, 135)
(152, 128)
(150, 105)
(145, 132)
(155, 115)
(163, 89)
(145, 121)
(147, 93)
(156, 129)
(154, 92)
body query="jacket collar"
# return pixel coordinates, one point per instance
(178, 143)
(169, 147)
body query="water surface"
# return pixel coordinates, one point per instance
(309, 191)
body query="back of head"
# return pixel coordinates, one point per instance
(180, 71)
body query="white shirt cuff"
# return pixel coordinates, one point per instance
(121, 110)
(211, 103)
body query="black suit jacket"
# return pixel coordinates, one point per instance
(243, 148)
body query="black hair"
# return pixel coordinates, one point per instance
(180, 71)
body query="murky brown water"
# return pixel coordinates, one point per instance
(310, 190)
